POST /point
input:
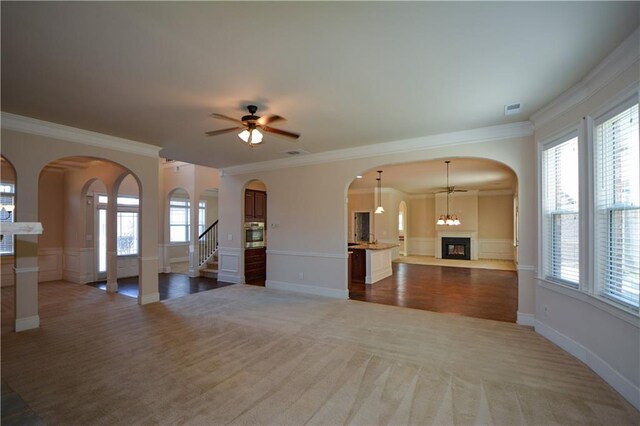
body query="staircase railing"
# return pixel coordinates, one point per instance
(208, 243)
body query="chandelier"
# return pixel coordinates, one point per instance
(448, 219)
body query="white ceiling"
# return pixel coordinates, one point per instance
(344, 74)
(425, 177)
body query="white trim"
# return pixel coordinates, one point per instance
(228, 278)
(21, 228)
(421, 246)
(26, 270)
(620, 383)
(179, 259)
(308, 289)
(473, 136)
(28, 323)
(616, 310)
(495, 248)
(623, 57)
(85, 137)
(526, 319)
(494, 192)
(145, 299)
(146, 258)
(526, 268)
(308, 254)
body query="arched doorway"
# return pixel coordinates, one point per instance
(255, 233)
(481, 193)
(8, 204)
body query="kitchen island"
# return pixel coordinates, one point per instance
(371, 261)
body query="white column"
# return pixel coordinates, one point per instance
(112, 241)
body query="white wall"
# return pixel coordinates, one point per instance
(604, 337)
(308, 214)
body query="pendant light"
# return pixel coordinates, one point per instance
(379, 209)
(449, 219)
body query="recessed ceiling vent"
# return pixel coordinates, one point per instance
(294, 152)
(512, 108)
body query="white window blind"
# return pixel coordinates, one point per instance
(617, 205)
(561, 234)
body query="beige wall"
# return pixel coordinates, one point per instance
(51, 209)
(421, 215)
(359, 201)
(463, 204)
(495, 216)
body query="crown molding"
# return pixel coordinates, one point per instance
(484, 134)
(624, 56)
(34, 126)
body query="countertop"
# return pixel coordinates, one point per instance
(376, 246)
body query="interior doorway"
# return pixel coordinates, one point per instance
(361, 226)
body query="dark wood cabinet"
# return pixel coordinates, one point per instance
(255, 264)
(358, 265)
(255, 206)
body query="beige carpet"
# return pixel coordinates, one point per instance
(501, 265)
(250, 355)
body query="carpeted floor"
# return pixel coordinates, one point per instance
(501, 265)
(251, 355)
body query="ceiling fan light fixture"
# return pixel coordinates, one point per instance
(256, 136)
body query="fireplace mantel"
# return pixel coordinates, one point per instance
(457, 234)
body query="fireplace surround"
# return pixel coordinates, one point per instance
(456, 248)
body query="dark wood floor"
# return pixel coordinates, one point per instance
(479, 293)
(170, 286)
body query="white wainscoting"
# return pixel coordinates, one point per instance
(229, 264)
(127, 266)
(421, 246)
(494, 248)
(164, 261)
(50, 264)
(78, 265)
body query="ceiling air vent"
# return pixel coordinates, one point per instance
(296, 152)
(512, 108)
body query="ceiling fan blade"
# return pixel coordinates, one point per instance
(280, 132)
(263, 121)
(222, 131)
(460, 190)
(224, 117)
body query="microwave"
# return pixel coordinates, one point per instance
(254, 234)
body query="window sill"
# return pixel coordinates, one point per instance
(619, 311)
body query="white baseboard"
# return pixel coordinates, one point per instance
(29, 323)
(308, 289)
(628, 390)
(149, 298)
(164, 269)
(228, 278)
(526, 319)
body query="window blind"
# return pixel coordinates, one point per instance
(617, 206)
(561, 221)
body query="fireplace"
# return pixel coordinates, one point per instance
(456, 248)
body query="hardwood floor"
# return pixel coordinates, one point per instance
(169, 285)
(478, 293)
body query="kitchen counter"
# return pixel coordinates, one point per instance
(376, 261)
(374, 246)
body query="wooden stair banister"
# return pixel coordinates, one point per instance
(208, 243)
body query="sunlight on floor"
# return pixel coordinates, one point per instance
(501, 265)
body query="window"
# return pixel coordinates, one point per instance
(7, 197)
(127, 233)
(179, 221)
(400, 221)
(202, 217)
(617, 205)
(561, 220)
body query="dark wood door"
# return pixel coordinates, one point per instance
(260, 206)
(255, 264)
(358, 265)
(249, 205)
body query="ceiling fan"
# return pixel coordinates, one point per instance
(450, 189)
(250, 126)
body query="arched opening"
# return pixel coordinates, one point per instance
(8, 205)
(255, 233)
(437, 260)
(90, 209)
(402, 227)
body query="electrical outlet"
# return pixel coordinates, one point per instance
(229, 237)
